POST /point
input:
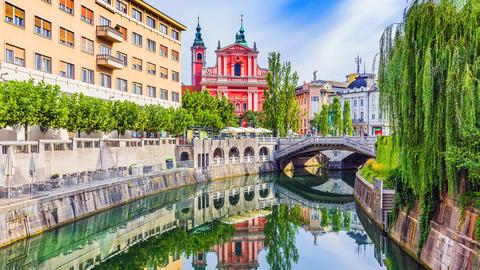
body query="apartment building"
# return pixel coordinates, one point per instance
(110, 49)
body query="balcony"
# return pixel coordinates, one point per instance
(108, 61)
(109, 33)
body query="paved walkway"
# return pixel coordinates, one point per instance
(64, 190)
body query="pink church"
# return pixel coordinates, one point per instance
(236, 75)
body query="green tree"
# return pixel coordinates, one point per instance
(209, 111)
(281, 110)
(336, 115)
(347, 119)
(320, 120)
(252, 118)
(182, 119)
(126, 114)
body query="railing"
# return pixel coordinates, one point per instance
(249, 159)
(107, 57)
(263, 158)
(104, 29)
(233, 160)
(357, 144)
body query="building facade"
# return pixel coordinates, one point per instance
(109, 49)
(235, 76)
(311, 97)
(367, 116)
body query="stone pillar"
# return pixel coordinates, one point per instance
(249, 101)
(255, 101)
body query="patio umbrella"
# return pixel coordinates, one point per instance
(9, 168)
(32, 168)
(263, 130)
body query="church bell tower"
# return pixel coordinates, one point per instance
(198, 57)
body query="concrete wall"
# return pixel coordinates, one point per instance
(450, 243)
(61, 157)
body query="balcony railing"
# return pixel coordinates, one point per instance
(109, 33)
(109, 61)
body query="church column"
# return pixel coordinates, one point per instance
(255, 66)
(249, 100)
(225, 65)
(255, 101)
(249, 65)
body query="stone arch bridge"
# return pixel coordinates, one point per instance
(359, 149)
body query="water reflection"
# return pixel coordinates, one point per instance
(267, 222)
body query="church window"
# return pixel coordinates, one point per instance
(238, 69)
(199, 56)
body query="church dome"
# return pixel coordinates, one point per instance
(359, 82)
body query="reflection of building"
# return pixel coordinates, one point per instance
(241, 251)
(312, 219)
(235, 76)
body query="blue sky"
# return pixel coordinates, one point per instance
(323, 35)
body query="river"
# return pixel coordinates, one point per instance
(307, 220)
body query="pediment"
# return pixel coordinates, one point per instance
(236, 48)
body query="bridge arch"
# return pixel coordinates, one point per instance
(218, 153)
(184, 156)
(234, 152)
(264, 151)
(264, 193)
(234, 199)
(249, 152)
(218, 203)
(249, 195)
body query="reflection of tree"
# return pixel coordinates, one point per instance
(346, 220)
(156, 250)
(280, 233)
(336, 220)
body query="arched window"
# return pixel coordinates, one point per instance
(199, 56)
(238, 69)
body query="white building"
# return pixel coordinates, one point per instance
(366, 115)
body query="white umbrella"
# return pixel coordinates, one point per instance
(263, 130)
(231, 130)
(32, 168)
(9, 168)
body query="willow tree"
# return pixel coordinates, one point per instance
(428, 84)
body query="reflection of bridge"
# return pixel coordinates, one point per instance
(286, 196)
(309, 147)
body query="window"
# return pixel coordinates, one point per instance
(361, 115)
(199, 56)
(164, 94)
(373, 116)
(151, 22)
(87, 76)
(151, 69)
(105, 50)
(43, 63)
(67, 37)
(122, 30)
(163, 29)
(105, 80)
(15, 55)
(67, 6)
(136, 14)
(43, 27)
(108, 1)
(175, 56)
(87, 15)
(315, 98)
(163, 73)
(87, 45)
(163, 51)
(151, 45)
(244, 105)
(175, 76)
(121, 85)
(122, 57)
(175, 35)
(354, 103)
(361, 102)
(104, 21)
(151, 91)
(122, 7)
(238, 69)
(137, 64)
(14, 15)
(137, 39)
(137, 88)
(67, 70)
(175, 97)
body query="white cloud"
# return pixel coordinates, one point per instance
(328, 43)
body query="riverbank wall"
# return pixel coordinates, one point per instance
(450, 243)
(33, 216)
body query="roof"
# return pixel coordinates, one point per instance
(359, 82)
(169, 19)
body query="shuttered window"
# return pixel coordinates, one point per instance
(15, 55)
(163, 72)
(66, 5)
(87, 15)
(43, 27)
(14, 15)
(123, 30)
(137, 64)
(67, 37)
(151, 69)
(175, 56)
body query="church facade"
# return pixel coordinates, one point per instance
(235, 76)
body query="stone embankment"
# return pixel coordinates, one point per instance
(26, 218)
(450, 243)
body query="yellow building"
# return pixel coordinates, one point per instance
(110, 49)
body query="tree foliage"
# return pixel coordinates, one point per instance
(281, 111)
(332, 121)
(428, 85)
(347, 126)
